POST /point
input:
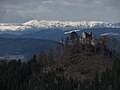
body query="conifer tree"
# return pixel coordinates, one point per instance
(96, 82)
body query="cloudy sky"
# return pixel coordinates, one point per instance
(12, 11)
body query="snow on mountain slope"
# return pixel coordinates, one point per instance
(13, 27)
(6, 26)
(110, 34)
(68, 32)
(45, 24)
(49, 24)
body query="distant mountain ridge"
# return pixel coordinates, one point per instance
(63, 25)
(57, 34)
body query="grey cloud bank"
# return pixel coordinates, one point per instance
(70, 10)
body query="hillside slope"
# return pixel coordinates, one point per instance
(81, 60)
(23, 47)
(81, 65)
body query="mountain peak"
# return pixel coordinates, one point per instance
(31, 22)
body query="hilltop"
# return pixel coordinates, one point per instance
(81, 57)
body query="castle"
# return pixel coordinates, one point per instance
(86, 38)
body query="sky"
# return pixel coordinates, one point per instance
(18, 11)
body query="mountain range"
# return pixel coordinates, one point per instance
(45, 24)
(57, 34)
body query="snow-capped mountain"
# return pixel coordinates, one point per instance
(45, 24)
(13, 27)
(52, 24)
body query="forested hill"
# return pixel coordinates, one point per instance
(74, 65)
(81, 58)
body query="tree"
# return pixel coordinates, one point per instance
(96, 81)
(74, 37)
